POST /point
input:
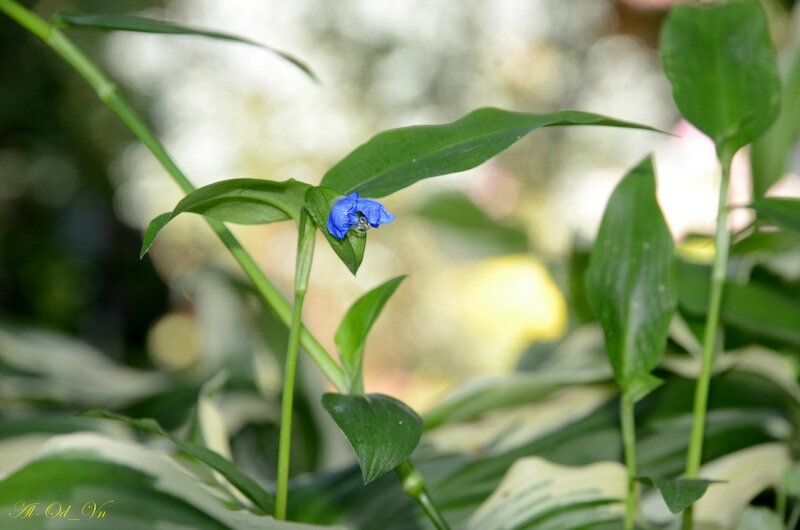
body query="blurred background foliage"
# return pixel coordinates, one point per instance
(496, 256)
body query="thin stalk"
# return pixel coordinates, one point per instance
(414, 486)
(305, 255)
(626, 407)
(108, 92)
(718, 271)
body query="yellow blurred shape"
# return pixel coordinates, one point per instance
(696, 249)
(508, 302)
(173, 342)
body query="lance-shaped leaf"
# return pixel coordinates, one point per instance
(678, 493)
(781, 211)
(769, 155)
(241, 201)
(630, 279)
(217, 462)
(350, 249)
(382, 430)
(722, 67)
(396, 159)
(351, 335)
(148, 25)
(113, 484)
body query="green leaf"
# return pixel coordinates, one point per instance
(783, 212)
(678, 493)
(137, 488)
(350, 249)
(630, 280)
(463, 222)
(769, 154)
(149, 25)
(791, 482)
(152, 230)
(753, 307)
(242, 201)
(263, 500)
(351, 335)
(396, 159)
(722, 67)
(538, 494)
(382, 430)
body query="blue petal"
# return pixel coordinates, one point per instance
(343, 216)
(375, 212)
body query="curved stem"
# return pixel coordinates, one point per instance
(718, 271)
(108, 92)
(626, 408)
(414, 486)
(305, 255)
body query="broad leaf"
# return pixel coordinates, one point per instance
(721, 64)
(781, 211)
(537, 494)
(149, 25)
(263, 500)
(382, 430)
(135, 487)
(242, 201)
(350, 249)
(45, 367)
(396, 159)
(678, 493)
(630, 279)
(351, 335)
(753, 307)
(769, 155)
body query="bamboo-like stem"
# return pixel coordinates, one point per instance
(305, 255)
(626, 409)
(414, 486)
(718, 272)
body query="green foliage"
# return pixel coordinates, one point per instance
(396, 159)
(149, 25)
(678, 493)
(753, 307)
(137, 488)
(263, 500)
(462, 221)
(242, 201)
(630, 280)
(782, 212)
(350, 249)
(382, 430)
(351, 335)
(537, 494)
(769, 154)
(722, 68)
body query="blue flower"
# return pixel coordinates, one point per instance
(352, 211)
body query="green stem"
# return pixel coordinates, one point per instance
(108, 92)
(414, 486)
(718, 271)
(626, 407)
(305, 255)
